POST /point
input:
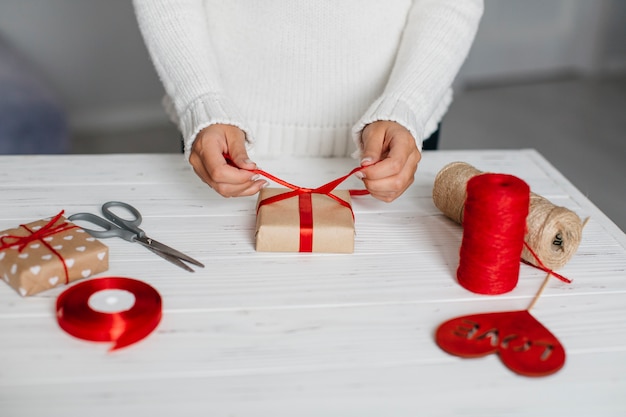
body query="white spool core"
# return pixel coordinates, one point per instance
(111, 301)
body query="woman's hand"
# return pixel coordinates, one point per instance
(394, 146)
(207, 160)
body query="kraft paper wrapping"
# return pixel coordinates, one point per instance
(278, 224)
(36, 268)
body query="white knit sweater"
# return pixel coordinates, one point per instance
(303, 77)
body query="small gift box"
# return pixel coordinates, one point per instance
(47, 253)
(304, 222)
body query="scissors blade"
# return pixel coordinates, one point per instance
(156, 245)
(166, 256)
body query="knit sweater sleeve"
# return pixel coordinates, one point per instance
(178, 41)
(436, 40)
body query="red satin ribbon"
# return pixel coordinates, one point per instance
(304, 200)
(48, 229)
(305, 204)
(124, 328)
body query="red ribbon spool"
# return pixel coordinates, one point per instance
(124, 328)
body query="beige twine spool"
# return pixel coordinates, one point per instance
(553, 232)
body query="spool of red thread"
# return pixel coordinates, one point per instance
(494, 224)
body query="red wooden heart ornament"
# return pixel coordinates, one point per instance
(523, 343)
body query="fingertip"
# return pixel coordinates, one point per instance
(257, 187)
(367, 161)
(249, 163)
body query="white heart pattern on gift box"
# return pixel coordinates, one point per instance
(25, 261)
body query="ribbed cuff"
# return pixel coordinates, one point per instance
(390, 109)
(209, 110)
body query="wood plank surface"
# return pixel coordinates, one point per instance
(287, 334)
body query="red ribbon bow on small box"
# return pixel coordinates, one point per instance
(305, 201)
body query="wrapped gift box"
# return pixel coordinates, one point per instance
(32, 256)
(278, 225)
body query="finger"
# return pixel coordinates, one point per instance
(373, 145)
(254, 188)
(390, 187)
(392, 163)
(387, 195)
(208, 162)
(220, 172)
(229, 190)
(237, 151)
(198, 168)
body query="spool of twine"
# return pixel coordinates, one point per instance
(494, 224)
(552, 232)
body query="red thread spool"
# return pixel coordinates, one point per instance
(124, 328)
(494, 224)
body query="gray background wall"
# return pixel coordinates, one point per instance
(92, 54)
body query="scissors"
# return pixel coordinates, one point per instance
(128, 229)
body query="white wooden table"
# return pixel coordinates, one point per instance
(279, 334)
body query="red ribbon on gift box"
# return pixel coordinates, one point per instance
(304, 200)
(49, 229)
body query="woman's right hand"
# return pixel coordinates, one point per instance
(207, 160)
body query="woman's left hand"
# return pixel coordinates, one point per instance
(392, 148)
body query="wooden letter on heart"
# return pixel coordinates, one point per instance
(524, 345)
